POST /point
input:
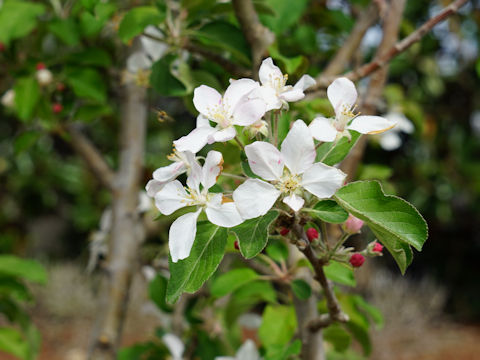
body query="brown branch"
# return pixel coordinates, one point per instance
(90, 154)
(396, 49)
(258, 36)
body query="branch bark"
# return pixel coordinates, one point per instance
(258, 36)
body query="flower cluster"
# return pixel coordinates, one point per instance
(287, 176)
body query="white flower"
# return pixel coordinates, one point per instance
(391, 140)
(151, 51)
(174, 196)
(174, 345)
(255, 197)
(274, 90)
(234, 108)
(44, 77)
(248, 351)
(343, 95)
(182, 162)
(8, 99)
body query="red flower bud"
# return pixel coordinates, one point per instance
(40, 66)
(312, 234)
(353, 224)
(284, 231)
(2, 47)
(60, 86)
(357, 260)
(377, 247)
(236, 245)
(57, 108)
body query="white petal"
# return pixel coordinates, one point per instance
(138, 61)
(298, 149)
(169, 172)
(237, 90)
(269, 95)
(171, 197)
(342, 93)
(202, 121)
(371, 124)
(265, 160)
(205, 97)
(248, 112)
(211, 168)
(194, 141)
(322, 129)
(268, 71)
(294, 201)
(195, 176)
(248, 351)
(153, 186)
(182, 234)
(225, 214)
(322, 180)
(154, 48)
(403, 124)
(304, 83)
(292, 95)
(390, 141)
(174, 345)
(222, 135)
(254, 198)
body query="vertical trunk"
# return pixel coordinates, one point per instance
(127, 228)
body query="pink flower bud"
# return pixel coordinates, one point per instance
(377, 247)
(236, 245)
(357, 260)
(57, 108)
(40, 66)
(284, 231)
(353, 224)
(312, 234)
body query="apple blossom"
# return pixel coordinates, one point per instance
(174, 196)
(234, 108)
(274, 90)
(391, 140)
(248, 351)
(43, 75)
(150, 51)
(343, 95)
(182, 162)
(289, 171)
(8, 99)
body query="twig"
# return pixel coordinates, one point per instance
(258, 36)
(399, 47)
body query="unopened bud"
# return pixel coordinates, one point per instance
(57, 108)
(312, 234)
(60, 87)
(259, 127)
(44, 77)
(8, 99)
(357, 260)
(284, 231)
(352, 225)
(40, 66)
(236, 245)
(377, 247)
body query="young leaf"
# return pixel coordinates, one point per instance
(329, 211)
(340, 274)
(331, 154)
(22, 268)
(395, 222)
(66, 30)
(12, 342)
(18, 18)
(27, 94)
(188, 275)
(162, 79)
(87, 83)
(231, 281)
(301, 289)
(278, 325)
(26, 140)
(157, 290)
(137, 19)
(252, 234)
(338, 337)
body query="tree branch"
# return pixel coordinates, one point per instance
(396, 49)
(90, 154)
(258, 36)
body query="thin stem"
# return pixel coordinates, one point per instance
(239, 142)
(276, 269)
(329, 151)
(323, 229)
(239, 177)
(339, 243)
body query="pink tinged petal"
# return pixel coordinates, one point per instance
(292, 95)
(269, 96)
(298, 149)
(236, 91)
(248, 112)
(171, 197)
(268, 71)
(254, 198)
(294, 201)
(371, 124)
(211, 169)
(265, 160)
(342, 94)
(322, 180)
(389, 141)
(322, 129)
(225, 215)
(182, 234)
(194, 141)
(222, 135)
(169, 172)
(153, 186)
(205, 97)
(304, 83)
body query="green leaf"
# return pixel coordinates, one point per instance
(329, 211)
(18, 18)
(92, 57)
(22, 268)
(66, 30)
(278, 325)
(231, 281)
(157, 290)
(301, 289)
(375, 171)
(188, 275)
(26, 140)
(27, 94)
(370, 310)
(89, 113)
(137, 19)
(333, 153)
(12, 287)
(287, 14)
(395, 222)
(12, 342)
(87, 83)
(276, 352)
(277, 250)
(252, 234)
(340, 273)
(162, 79)
(338, 337)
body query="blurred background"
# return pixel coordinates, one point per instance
(51, 204)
